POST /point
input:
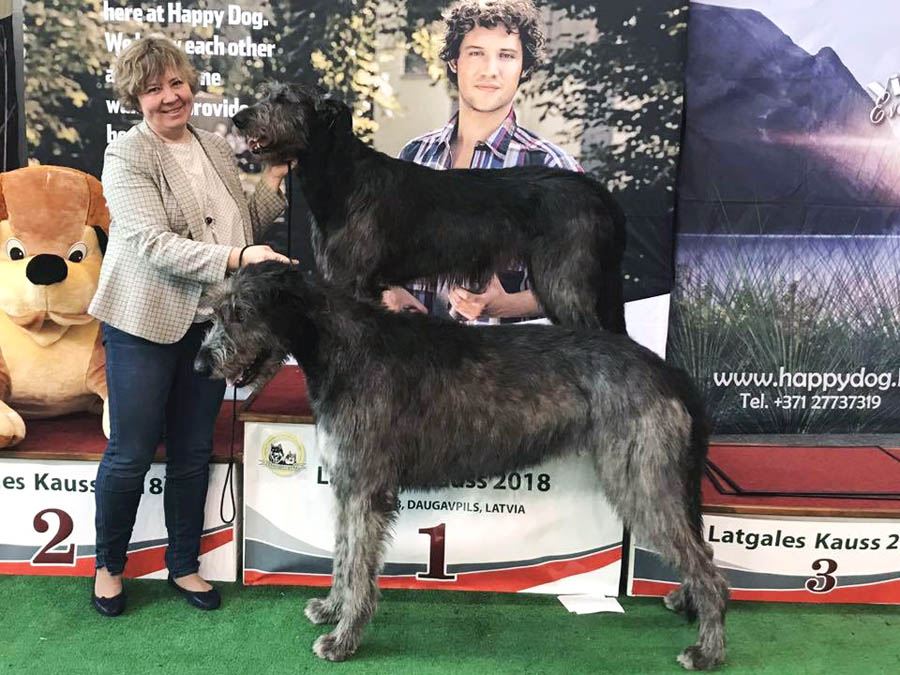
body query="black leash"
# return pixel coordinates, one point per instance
(229, 473)
(287, 216)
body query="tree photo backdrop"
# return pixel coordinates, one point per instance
(613, 74)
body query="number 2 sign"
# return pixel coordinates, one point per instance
(46, 555)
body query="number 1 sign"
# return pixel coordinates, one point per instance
(544, 530)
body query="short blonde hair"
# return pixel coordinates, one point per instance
(147, 59)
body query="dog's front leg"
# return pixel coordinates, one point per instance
(328, 610)
(369, 516)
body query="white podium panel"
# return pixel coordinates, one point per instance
(542, 530)
(48, 522)
(790, 559)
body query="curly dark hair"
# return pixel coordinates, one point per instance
(519, 16)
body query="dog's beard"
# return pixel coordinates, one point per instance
(262, 367)
(275, 151)
(257, 144)
(275, 144)
(277, 155)
(255, 366)
(241, 364)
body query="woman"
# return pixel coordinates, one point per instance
(180, 223)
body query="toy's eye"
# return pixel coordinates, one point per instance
(77, 253)
(15, 250)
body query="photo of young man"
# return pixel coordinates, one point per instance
(490, 49)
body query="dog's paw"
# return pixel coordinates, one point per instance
(328, 647)
(679, 601)
(675, 600)
(319, 610)
(693, 658)
(12, 427)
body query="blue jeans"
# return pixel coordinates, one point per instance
(154, 393)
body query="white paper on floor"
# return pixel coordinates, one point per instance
(590, 604)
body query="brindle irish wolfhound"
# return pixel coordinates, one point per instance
(408, 401)
(380, 221)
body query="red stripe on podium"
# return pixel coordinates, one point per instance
(880, 592)
(509, 580)
(140, 563)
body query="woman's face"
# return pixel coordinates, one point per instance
(167, 103)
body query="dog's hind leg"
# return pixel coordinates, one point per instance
(328, 610)
(679, 601)
(669, 531)
(655, 485)
(577, 287)
(369, 517)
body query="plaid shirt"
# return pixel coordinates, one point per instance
(510, 145)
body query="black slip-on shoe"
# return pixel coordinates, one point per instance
(109, 606)
(200, 599)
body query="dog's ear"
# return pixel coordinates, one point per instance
(278, 284)
(337, 114)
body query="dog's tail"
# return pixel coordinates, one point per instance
(695, 467)
(699, 448)
(610, 243)
(693, 459)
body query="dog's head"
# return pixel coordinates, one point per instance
(53, 232)
(282, 124)
(276, 454)
(255, 318)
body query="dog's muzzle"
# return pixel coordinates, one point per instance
(202, 363)
(242, 118)
(248, 375)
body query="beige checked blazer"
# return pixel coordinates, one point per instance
(156, 265)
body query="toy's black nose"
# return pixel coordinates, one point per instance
(45, 269)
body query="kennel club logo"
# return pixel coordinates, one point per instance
(283, 454)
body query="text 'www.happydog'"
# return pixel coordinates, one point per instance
(860, 379)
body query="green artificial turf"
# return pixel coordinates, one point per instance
(48, 627)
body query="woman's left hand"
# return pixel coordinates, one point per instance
(273, 173)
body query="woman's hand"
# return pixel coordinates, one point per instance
(274, 173)
(255, 253)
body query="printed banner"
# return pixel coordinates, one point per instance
(71, 109)
(788, 253)
(820, 560)
(608, 92)
(48, 522)
(542, 530)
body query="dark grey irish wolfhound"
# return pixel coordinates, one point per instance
(380, 221)
(408, 401)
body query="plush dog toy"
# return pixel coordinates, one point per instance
(53, 232)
